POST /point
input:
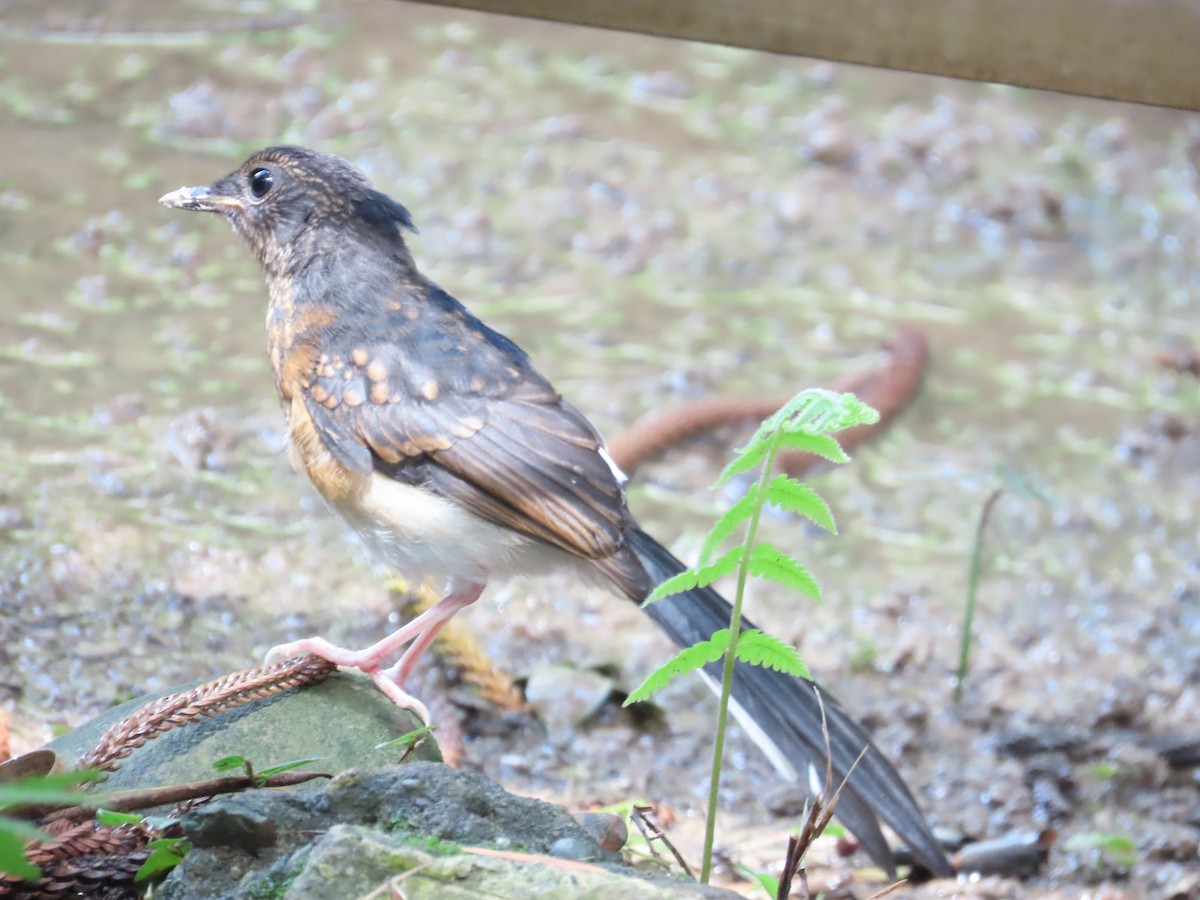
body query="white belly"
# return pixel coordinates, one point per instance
(423, 535)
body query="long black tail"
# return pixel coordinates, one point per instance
(783, 716)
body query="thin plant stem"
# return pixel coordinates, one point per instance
(735, 624)
(964, 648)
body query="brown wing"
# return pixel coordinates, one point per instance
(429, 395)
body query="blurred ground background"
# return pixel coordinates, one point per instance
(651, 220)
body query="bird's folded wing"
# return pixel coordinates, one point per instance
(536, 468)
(478, 425)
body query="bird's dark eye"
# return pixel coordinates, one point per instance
(261, 182)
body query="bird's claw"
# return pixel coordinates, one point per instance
(362, 660)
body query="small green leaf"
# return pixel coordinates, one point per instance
(1118, 848)
(12, 856)
(23, 829)
(728, 523)
(687, 660)
(854, 412)
(1104, 770)
(767, 562)
(697, 577)
(110, 817)
(818, 411)
(624, 808)
(797, 497)
(676, 584)
(230, 764)
(766, 650)
(408, 738)
(769, 882)
(48, 790)
(69, 779)
(817, 444)
(285, 767)
(166, 854)
(747, 458)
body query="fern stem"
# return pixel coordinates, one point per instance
(735, 625)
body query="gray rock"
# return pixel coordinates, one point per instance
(564, 696)
(339, 722)
(573, 847)
(352, 861)
(433, 830)
(345, 838)
(230, 824)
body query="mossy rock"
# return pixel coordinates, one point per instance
(428, 829)
(340, 722)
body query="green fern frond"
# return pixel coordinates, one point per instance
(817, 444)
(728, 523)
(820, 411)
(747, 458)
(802, 424)
(767, 562)
(699, 576)
(759, 649)
(687, 660)
(797, 497)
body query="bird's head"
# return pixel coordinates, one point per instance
(281, 194)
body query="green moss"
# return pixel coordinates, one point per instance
(403, 829)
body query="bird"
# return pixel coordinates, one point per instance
(452, 457)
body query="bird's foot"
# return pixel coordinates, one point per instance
(366, 661)
(339, 656)
(400, 697)
(414, 637)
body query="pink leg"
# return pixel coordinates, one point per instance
(418, 634)
(400, 671)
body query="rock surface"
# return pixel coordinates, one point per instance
(339, 723)
(431, 830)
(435, 830)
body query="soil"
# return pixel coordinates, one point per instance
(652, 220)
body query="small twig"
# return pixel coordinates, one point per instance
(641, 818)
(792, 864)
(129, 801)
(797, 847)
(637, 819)
(890, 889)
(817, 816)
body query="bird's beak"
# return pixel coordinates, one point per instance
(200, 199)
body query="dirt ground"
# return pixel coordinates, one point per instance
(652, 221)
